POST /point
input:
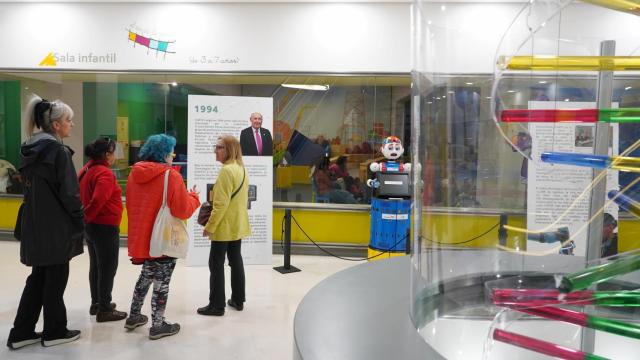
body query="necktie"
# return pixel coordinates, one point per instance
(259, 142)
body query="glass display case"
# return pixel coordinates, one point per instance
(521, 179)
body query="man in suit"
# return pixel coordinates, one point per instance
(256, 140)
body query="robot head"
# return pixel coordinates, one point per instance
(392, 148)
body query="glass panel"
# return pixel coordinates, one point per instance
(346, 122)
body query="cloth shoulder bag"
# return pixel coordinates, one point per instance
(205, 209)
(169, 236)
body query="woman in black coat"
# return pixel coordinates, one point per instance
(50, 224)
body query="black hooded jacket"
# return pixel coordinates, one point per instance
(51, 225)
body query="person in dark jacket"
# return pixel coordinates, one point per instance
(50, 224)
(102, 200)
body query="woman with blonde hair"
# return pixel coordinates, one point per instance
(227, 225)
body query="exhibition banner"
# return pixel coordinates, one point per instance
(559, 196)
(209, 118)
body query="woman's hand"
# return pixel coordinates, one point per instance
(205, 233)
(195, 190)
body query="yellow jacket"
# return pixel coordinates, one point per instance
(229, 217)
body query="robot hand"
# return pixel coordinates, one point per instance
(374, 167)
(407, 167)
(373, 183)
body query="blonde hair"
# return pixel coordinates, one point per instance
(232, 147)
(40, 113)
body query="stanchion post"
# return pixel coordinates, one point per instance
(287, 268)
(502, 232)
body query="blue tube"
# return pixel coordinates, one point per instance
(588, 160)
(561, 234)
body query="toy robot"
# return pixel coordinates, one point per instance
(390, 204)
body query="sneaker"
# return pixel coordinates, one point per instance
(166, 329)
(71, 335)
(210, 311)
(94, 308)
(112, 315)
(135, 320)
(235, 305)
(17, 344)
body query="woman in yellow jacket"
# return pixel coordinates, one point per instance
(227, 225)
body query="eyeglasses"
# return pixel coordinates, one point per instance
(173, 155)
(219, 147)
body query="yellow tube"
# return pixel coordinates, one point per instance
(569, 63)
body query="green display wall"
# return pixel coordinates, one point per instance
(10, 121)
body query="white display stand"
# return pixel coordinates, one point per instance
(209, 118)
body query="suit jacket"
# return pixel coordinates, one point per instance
(248, 142)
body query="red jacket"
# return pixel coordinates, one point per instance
(100, 194)
(144, 198)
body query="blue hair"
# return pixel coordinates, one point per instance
(157, 148)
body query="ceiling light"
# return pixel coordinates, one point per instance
(627, 88)
(511, 91)
(542, 82)
(469, 83)
(307, 87)
(174, 84)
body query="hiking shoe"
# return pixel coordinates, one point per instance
(94, 308)
(111, 315)
(210, 311)
(135, 320)
(235, 305)
(71, 335)
(166, 329)
(17, 344)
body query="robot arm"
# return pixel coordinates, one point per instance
(374, 167)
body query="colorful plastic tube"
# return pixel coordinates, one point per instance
(562, 234)
(569, 63)
(624, 115)
(631, 164)
(575, 317)
(596, 274)
(542, 347)
(626, 203)
(629, 6)
(552, 115)
(541, 297)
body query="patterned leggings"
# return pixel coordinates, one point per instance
(159, 272)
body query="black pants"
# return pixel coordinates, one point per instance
(44, 290)
(103, 242)
(216, 267)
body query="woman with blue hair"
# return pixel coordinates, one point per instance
(145, 187)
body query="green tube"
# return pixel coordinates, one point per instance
(623, 115)
(583, 279)
(614, 326)
(617, 298)
(588, 356)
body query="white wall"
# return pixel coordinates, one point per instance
(287, 37)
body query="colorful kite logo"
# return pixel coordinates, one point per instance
(160, 46)
(49, 60)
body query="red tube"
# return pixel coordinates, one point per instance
(554, 115)
(539, 346)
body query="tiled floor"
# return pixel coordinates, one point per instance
(264, 330)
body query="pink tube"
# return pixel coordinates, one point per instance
(539, 346)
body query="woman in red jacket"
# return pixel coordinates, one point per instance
(144, 198)
(102, 200)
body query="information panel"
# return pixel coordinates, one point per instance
(209, 118)
(558, 196)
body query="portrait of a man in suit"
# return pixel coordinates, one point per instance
(256, 140)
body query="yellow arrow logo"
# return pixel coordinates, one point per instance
(49, 60)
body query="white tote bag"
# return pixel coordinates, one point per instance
(169, 236)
